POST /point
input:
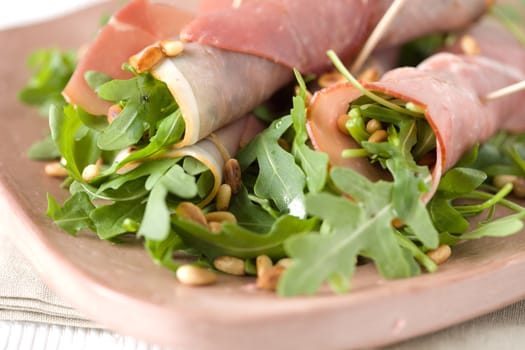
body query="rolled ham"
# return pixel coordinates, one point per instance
(216, 149)
(238, 57)
(450, 88)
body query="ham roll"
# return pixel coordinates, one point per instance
(235, 58)
(449, 87)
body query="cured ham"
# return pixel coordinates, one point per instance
(450, 89)
(293, 34)
(131, 29)
(238, 57)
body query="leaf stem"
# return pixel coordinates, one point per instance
(491, 201)
(423, 259)
(346, 73)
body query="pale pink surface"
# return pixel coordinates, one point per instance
(118, 285)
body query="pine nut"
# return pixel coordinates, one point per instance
(308, 95)
(501, 180)
(397, 223)
(55, 169)
(90, 172)
(270, 279)
(373, 125)
(195, 276)
(378, 136)
(191, 212)
(215, 227)
(329, 79)
(519, 187)
(284, 262)
(171, 48)
(232, 175)
(469, 46)
(263, 263)
(440, 254)
(146, 59)
(341, 123)
(223, 198)
(369, 75)
(229, 265)
(221, 216)
(113, 112)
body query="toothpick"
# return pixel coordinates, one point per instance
(377, 34)
(236, 3)
(507, 90)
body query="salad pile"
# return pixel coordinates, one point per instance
(281, 206)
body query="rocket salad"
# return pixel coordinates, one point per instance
(291, 204)
(126, 177)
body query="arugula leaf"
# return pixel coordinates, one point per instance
(51, 69)
(44, 149)
(171, 130)
(75, 142)
(364, 228)
(502, 227)
(279, 178)
(249, 215)
(156, 222)
(73, 216)
(145, 102)
(314, 164)
(460, 181)
(109, 219)
(162, 251)
(234, 240)
(152, 169)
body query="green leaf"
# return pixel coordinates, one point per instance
(171, 129)
(162, 251)
(73, 216)
(502, 227)
(460, 181)
(364, 228)
(44, 149)
(314, 164)
(145, 102)
(445, 217)
(51, 70)
(96, 79)
(177, 182)
(64, 124)
(156, 222)
(236, 241)
(158, 167)
(109, 219)
(95, 122)
(279, 178)
(249, 215)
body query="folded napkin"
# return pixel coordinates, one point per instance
(25, 297)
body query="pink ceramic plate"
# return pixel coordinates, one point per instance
(119, 287)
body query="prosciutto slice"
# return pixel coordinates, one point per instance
(450, 88)
(238, 57)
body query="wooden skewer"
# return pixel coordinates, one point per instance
(507, 90)
(376, 35)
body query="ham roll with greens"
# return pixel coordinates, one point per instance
(233, 59)
(160, 163)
